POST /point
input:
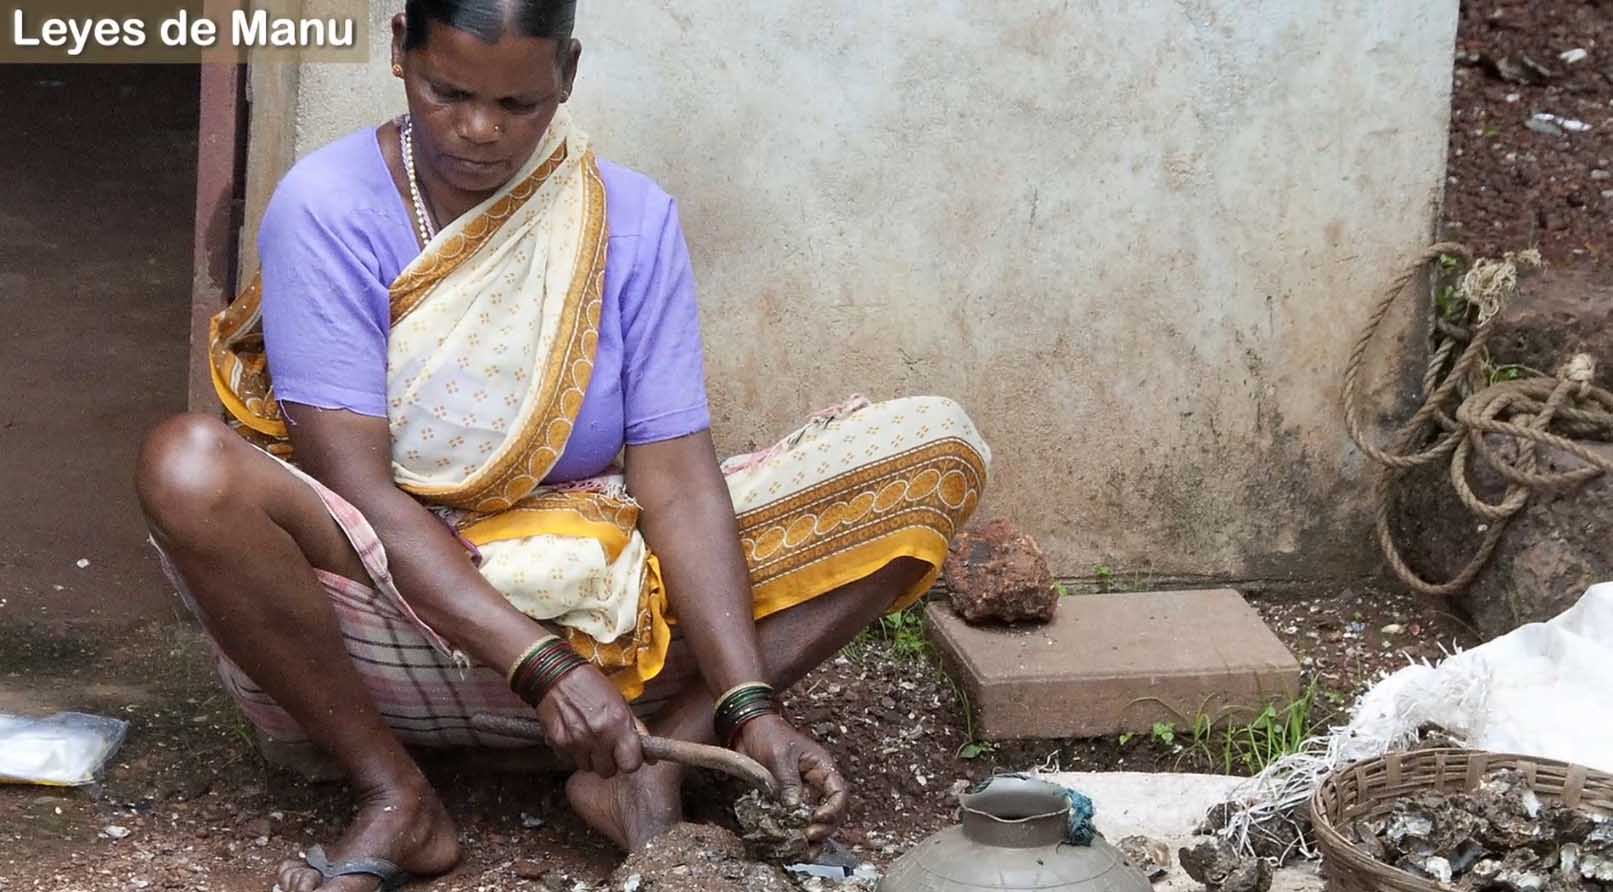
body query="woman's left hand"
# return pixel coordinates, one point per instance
(794, 758)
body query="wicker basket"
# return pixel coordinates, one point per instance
(1371, 787)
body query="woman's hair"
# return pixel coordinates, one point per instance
(490, 19)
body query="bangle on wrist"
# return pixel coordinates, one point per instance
(509, 674)
(741, 704)
(541, 667)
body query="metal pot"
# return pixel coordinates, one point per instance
(1013, 837)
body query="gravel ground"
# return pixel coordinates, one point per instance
(1511, 186)
(201, 810)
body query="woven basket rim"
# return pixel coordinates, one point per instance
(1359, 870)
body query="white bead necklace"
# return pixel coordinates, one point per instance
(428, 230)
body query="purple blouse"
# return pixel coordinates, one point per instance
(336, 234)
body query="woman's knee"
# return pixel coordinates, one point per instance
(186, 471)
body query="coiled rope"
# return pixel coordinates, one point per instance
(1465, 417)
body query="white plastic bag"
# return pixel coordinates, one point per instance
(66, 749)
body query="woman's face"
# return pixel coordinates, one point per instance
(480, 109)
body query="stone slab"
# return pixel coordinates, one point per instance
(1114, 663)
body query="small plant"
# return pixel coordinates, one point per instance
(975, 749)
(1451, 307)
(901, 633)
(1126, 738)
(1165, 733)
(1105, 575)
(1062, 590)
(1507, 373)
(905, 632)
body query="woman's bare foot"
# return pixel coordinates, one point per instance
(629, 809)
(407, 826)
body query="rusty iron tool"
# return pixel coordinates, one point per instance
(683, 752)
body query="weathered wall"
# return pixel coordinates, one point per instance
(1135, 237)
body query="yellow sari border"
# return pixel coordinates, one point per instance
(525, 523)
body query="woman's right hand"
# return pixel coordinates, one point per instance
(586, 717)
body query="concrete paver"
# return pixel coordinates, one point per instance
(1114, 663)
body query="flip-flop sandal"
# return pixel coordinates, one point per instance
(391, 875)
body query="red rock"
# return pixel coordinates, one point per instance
(997, 573)
(530, 870)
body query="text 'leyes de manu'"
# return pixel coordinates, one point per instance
(242, 29)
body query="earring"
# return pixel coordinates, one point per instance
(397, 71)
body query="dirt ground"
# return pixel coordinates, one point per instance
(95, 256)
(1511, 187)
(203, 811)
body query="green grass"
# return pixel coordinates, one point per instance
(1274, 733)
(1278, 730)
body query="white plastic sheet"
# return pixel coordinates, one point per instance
(66, 749)
(1545, 690)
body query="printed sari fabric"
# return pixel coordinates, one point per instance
(494, 327)
(842, 496)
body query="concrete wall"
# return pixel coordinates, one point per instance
(1135, 238)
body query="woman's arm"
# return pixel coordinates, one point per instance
(584, 715)
(687, 519)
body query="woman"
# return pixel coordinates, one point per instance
(479, 346)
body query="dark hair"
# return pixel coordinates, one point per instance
(489, 19)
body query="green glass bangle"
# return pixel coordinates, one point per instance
(541, 668)
(743, 693)
(740, 705)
